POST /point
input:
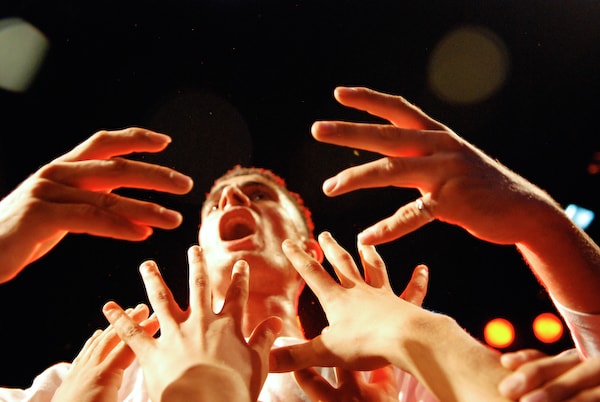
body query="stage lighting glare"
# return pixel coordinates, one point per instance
(499, 333)
(547, 328)
(22, 50)
(582, 217)
(468, 65)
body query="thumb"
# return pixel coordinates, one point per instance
(265, 333)
(296, 357)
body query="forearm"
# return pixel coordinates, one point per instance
(448, 361)
(207, 384)
(565, 259)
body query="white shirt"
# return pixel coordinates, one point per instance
(278, 387)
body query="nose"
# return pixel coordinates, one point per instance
(233, 196)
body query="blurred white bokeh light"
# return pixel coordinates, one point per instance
(23, 48)
(468, 65)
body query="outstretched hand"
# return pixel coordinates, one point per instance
(74, 193)
(96, 373)
(199, 352)
(538, 377)
(459, 184)
(359, 310)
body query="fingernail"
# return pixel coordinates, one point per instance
(174, 216)
(329, 185)
(181, 180)
(345, 90)
(109, 310)
(363, 237)
(325, 127)
(158, 138)
(513, 384)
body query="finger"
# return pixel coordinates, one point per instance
(114, 353)
(300, 356)
(314, 385)
(199, 282)
(131, 333)
(406, 219)
(106, 144)
(88, 347)
(119, 357)
(513, 360)
(416, 289)
(237, 292)
(375, 272)
(426, 174)
(150, 325)
(588, 395)
(160, 296)
(101, 343)
(348, 379)
(531, 375)
(109, 174)
(86, 204)
(576, 383)
(384, 139)
(390, 107)
(341, 261)
(317, 278)
(263, 336)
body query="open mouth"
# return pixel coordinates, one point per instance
(236, 224)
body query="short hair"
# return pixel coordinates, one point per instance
(274, 178)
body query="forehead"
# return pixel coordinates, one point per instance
(242, 180)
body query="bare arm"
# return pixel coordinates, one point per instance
(73, 194)
(461, 185)
(370, 327)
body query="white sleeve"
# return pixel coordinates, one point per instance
(584, 328)
(42, 389)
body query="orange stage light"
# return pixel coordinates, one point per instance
(547, 327)
(499, 333)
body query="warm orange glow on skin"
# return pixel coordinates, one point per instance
(499, 333)
(547, 327)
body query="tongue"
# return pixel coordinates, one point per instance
(237, 232)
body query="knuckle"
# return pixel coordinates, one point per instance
(162, 295)
(100, 136)
(131, 330)
(118, 164)
(107, 200)
(200, 282)
(50, 170)
(344, 258)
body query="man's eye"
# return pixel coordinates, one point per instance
(213, 208)
(257, 196)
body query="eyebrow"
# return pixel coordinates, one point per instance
(215, 193)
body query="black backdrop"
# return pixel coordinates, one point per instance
(241, 82)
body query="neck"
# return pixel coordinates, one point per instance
(260, 307)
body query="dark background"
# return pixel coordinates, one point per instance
(241, 82)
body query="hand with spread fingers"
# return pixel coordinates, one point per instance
(538, 377)
(370, 328)
(378, 385)
(96, 373)
(460, 185)
(74, 193)
(200, 355)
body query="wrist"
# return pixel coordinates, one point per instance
(207, 383)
